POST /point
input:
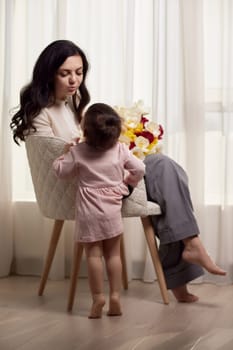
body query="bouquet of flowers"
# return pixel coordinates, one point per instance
(141, 134)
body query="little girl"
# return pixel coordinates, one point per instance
(104, 168)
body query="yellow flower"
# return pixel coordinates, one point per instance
(139, 128)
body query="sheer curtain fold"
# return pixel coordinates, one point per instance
(6, 227)
(194, 104)
(219, 132)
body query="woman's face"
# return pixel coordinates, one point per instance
(68, 78)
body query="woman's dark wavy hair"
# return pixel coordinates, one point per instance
(101, 126)
(39, 92)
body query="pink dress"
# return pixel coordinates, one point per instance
(102, 179)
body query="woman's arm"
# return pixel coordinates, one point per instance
(43, 125)
(52, 123)
(57, 120)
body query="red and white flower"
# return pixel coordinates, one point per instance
(139, 132)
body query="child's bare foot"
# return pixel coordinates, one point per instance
(97, 307)
(114, 306)
(195, 253)
(182, 295)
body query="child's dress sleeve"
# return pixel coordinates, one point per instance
(135, 168)
(65, 166)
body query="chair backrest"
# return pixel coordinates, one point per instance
(55, 197)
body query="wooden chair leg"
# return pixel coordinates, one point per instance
(153, 248)
(77, 257)
(124, 264)
(57, 227)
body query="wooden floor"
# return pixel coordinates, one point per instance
(29, 322)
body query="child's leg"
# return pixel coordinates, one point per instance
(94, 253)
(111, 251)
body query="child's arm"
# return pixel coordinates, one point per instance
(135, 168)
(65, 165)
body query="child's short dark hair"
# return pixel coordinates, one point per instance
(101, 126)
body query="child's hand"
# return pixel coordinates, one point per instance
(75, 140)
(67, 147)
(73, 143)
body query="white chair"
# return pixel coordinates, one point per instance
(56, 200)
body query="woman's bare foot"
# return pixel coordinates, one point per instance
(114, 306)
(195, 253)
(182, 295)
(97, 307)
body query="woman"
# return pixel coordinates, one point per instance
(52, 105)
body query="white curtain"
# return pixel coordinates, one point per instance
(6, 227)
(155, 50)
(219, 133)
